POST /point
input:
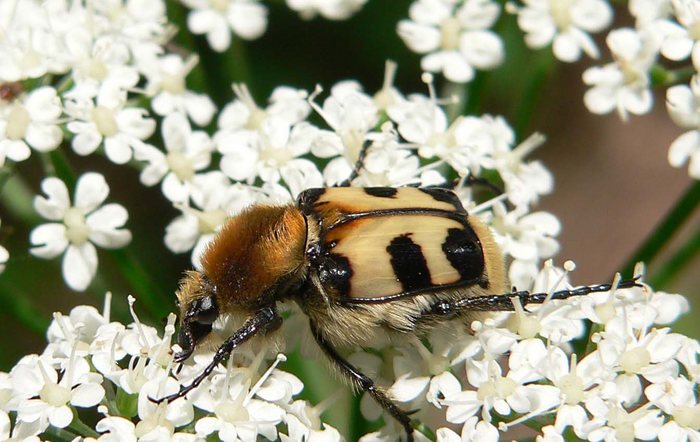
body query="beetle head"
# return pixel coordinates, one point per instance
(198, 311)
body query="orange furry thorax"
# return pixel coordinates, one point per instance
(253, 251)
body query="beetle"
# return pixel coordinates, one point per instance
(360, 262)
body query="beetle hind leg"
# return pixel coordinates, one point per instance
(451, 308)
(364, 382)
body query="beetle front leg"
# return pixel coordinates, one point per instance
(364, 382)
(266, 319)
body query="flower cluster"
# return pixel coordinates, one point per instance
(94, 362)
(638, 379)
(456, 39)
(663, 31)
(247, 19)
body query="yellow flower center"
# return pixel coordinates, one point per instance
(17, 122)
(105, 122)
(77, 230)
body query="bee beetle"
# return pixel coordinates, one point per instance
(360, 262)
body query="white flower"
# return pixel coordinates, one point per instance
(187, 152)
(79, 228)
(218, 18)
(467, 145)
(527, 237)
(524, 182)
(504, 394)
(330, 9)
(30, 46)
(107, 120)
(352, 115)
(650, 356)
(237, 416)
(680, 39)
(77, 386)
(422, 372)
(576, 382)
(268, 143)
(683, 104)
(649, 12)
(96, 59)
(304, 423)
(623, 85)
(613, 422)
(30, 121)
(455, 38)
(271, 153)
(75, 331)
(564, 23)
(166, 83)
(474, 429)
(116, 429)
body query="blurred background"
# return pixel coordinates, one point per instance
(613, 181)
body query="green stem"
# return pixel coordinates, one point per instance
(59, 435)
(661, 235)
(662, 77)
(590, 345)
(81, 427)
(236, 62)
(674, 265)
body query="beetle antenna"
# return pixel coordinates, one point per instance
(264, 320)
(359, 165)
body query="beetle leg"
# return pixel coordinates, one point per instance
(359, 165)
(364, 382)
(472, 180)
(265, 319)
(452, 308)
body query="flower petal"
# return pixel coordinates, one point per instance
(61, 417)
(79, 266)
(91, 191)
(49, 240)
(105, 225)
(54, 206)
(87, 395)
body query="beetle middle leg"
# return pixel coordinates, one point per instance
(364, 382)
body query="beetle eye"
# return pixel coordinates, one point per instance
(203, 310)
(470, 247)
